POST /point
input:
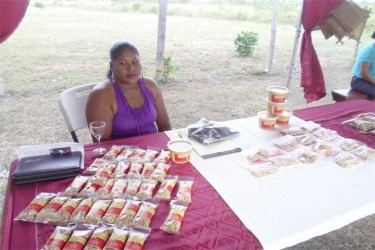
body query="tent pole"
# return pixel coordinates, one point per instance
(296, 40)
(273, 35)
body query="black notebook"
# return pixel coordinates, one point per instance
(47, 167)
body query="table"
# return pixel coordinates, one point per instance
(211, 221)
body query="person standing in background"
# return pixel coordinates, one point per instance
(363, 79)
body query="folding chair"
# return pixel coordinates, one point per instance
(72, 103)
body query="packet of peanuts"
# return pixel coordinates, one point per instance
(78, 239)
(114, 211)
(103, 191)
(96, 212)
(88, 190)
(149, 155)
(103, 173)
(145, 214)
(117, 239)
(128, 213)
(35, 206)
(58, 238)
(121, 169)
(160, 171)
(79, 214)
(166, 187)
(94, 167)
(148, 168)
(113, 152)
(53, 205)
(185, 185)
(61, 216)
(136, 167)
(133, 186)
(164, 156)
(98, 238)
(147, 189)
(118, 189)
(77, 184)
(137, 238)
(173, 222)
(126, 153)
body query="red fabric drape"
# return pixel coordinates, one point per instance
(11, 14)
(312, 79)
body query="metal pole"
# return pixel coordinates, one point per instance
(273, 35)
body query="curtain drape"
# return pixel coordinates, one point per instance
(312, 79)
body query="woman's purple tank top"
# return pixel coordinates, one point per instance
(129, 122)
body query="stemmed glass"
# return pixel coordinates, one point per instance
(97, 130)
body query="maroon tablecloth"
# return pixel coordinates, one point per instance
(209, 222)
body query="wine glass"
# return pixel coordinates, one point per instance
(97, 130)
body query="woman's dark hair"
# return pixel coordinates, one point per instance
(373, 35)
(117, 49)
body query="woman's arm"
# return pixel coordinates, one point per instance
(99, 108)
(364, 71)
(162, 119)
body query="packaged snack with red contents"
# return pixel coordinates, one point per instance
(96, 212)
(118, 189)
(172, 223)
(128, 213)
(95, 166)
(58, 238)
(149, 155)
(78, 239)
(133, 186)
(126, 153)
(145, 214)
(29, 213)
(53, 205)
(185, 185)
(117, 239)
(113, 152)
(147, 189)
(98, 238)
(81, 211)
(114, 211)
(137, 154)
(103, 192)
(160, 171)
(137, 239)
(62, 215)
(164, 156)
(148, 168)
(89, 189)
(103, 173)
(166, 187)
(136, 167)
(121, 169)
(77, 184)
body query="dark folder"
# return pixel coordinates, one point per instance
(47, 167)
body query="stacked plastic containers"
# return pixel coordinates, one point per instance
(276, 113)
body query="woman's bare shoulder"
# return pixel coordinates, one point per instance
(102, 88)
(151, 85)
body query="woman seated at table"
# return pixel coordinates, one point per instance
(127, 102)
(364, 70)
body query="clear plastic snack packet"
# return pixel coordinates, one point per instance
(119, 188)
(207, 132)
(133, 186)
(164, 156)
(263, 169)
(160, 171)
(98, 238)
(79, 214)
(364, 152)
(347, 160)
(78, 239)
(148, 168)
(137, 239)
(147, 189)
(113, 152)
(149, 155)
(104, 173)
(184, 191)
(136, 167)
(128, 213)
(113, 211)
(173, 222)
(61, 216)
(58, 238)
(103, 192)
(94, 167)
(166, 187)
(35, 206)
(53, 205)
(78, 183)
(145, 214)
(96, 212)
(117, 239)
(89, 189)
(121, 169)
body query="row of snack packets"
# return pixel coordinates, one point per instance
(106, 238)
(134, 153)
(364, 123)
(300, 146)
(136, 187)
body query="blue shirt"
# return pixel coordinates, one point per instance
(366, 54)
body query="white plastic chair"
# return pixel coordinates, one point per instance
(72, 103)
